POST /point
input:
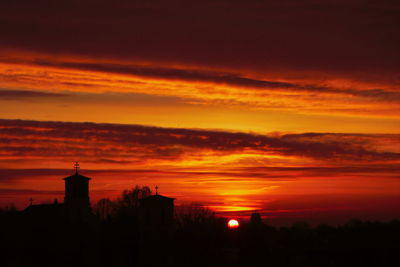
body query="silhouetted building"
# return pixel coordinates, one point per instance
(157, 210)
(76, 199)
(51, 212)
(76, 206)
(154, 211)
(255, 219)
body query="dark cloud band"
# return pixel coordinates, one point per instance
(112, 143)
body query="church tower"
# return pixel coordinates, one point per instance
(76, 199)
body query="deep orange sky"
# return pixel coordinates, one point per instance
(291, 109)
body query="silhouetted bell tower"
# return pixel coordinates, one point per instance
(76, 199)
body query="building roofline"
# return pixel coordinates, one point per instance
(157, 196)
(76, 175)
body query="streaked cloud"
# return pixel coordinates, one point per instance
(203, 87)
(136, 144)
(22, 94)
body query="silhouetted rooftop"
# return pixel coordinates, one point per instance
(76, 176)
(48, 206)
(157, 196)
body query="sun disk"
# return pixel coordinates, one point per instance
(232, 224)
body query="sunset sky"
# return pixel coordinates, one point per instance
(287, 108)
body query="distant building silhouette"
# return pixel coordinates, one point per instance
(52, 212)
(76, 199)
(154, 211)
(255, 219)
(76, 206)
(157, 210)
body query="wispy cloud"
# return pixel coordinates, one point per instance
(124, 144)
(24, 94)
(88, 80)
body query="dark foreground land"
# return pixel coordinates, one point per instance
(194, 241)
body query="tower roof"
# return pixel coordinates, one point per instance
(76, 176)
(157, 197)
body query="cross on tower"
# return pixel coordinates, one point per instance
(156, 189)
(76, 166)
(31, 201)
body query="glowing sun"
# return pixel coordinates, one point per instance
(232, 224)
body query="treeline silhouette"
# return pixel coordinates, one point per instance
(116, 237)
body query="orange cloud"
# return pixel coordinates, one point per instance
(205, 87)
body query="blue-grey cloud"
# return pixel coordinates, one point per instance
(6, 94)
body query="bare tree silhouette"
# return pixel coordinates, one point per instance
(104, 208)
